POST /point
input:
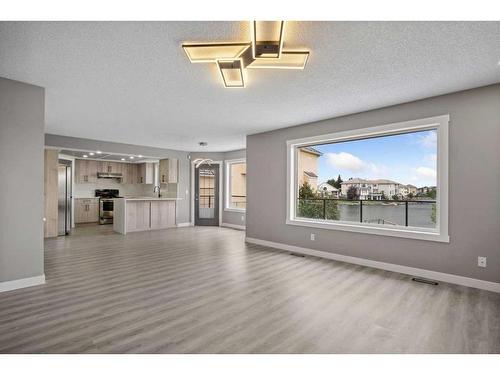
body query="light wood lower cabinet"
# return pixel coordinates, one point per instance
(132, 215)
(86, 210)
(162, 214)
(138, 215)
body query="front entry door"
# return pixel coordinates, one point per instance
(206, 198)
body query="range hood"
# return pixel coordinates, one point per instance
(109, 175)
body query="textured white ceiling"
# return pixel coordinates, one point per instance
(131, 81)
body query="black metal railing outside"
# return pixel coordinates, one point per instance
(238, 204)
(367, 201)
(203, 199)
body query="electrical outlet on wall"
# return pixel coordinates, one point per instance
(481, 262)
(313, 237)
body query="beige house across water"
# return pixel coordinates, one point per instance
(307, 166)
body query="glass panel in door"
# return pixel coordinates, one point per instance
(207, 195)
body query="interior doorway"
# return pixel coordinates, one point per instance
(206, 194)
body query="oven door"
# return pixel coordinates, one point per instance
(105, 211)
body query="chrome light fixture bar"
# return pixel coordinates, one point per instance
(267, 39)
(231, 72)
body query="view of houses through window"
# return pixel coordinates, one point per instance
(237, 193)
(387, 180)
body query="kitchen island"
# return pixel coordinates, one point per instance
(136, 214)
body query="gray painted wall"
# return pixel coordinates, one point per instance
(228, 217)
(183, 187)
(22, 114)
(474, 178)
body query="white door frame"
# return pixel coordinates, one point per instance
(221, 188)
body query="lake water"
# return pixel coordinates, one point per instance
(419, 214)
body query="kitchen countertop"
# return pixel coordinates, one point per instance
(149, 199)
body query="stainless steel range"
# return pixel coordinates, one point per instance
(106, 204)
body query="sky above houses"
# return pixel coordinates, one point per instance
(405, 158)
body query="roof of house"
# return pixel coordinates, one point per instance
(311, 150)
(310, 174)
(330, 186)
(364, 181)
(411, 186)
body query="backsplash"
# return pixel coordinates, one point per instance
(143, 190)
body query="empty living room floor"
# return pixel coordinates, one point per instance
(203, 290)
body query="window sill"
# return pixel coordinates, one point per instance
(416, 233)
(234, 209)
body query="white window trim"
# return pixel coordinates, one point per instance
(227, 189)
(439, 234)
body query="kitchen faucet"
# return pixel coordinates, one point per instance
(159, 190)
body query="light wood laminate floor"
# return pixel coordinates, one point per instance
(203, 290)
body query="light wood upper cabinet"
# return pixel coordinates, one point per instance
(109, 167)
(86, 210)
(145, 173)
(85, 171)
(129, 172)
(169, 171)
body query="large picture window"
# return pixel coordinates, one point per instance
(236, 185)
(388, 180)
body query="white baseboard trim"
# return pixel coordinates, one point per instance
(234, 226)
(5, 286)
(433, 275)
(188, 224)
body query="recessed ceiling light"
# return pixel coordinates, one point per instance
(131, 157)
(91, 153)
(123, 159)
(85, 156)
(99, 152)
(140, 156)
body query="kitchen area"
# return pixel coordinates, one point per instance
(95, 188)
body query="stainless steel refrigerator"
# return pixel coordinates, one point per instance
(64, 197)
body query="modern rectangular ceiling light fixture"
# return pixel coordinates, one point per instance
(288, 60)
(231, 72)
(211, 52)
(267, 39)
(264, 51)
